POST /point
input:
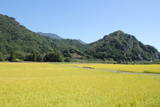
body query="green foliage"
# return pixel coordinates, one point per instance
(12, 57)
(35, 57)
(122, 47)
(67, 59)
(1, 57)
(18, 44)
(53, 57)
(15, 37)
(30, 45)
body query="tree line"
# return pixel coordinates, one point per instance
(34, 57)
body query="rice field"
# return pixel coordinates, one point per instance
(75, 85)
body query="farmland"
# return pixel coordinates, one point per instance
(78, 85)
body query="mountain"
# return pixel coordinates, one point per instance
(120, 46)
(15, 38)
(67, 44)
(51, 35)
(21, 44)
(55, 36)
(82, 42)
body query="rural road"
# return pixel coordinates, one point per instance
(123, 72)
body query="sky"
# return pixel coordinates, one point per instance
(88, 20)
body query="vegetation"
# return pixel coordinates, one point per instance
(20, 44)
(53, 36)
(122, 47)
(53, 57)
(15, 38)
(65, 85)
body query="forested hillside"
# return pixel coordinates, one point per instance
(120, 46)
(18, 43)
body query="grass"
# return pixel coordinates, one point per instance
(64, 85)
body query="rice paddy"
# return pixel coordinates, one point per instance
(75, 85)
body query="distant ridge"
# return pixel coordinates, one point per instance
(51, 35)
(55, 36)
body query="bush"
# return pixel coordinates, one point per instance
(1, 57)
(53, 57)
(67, 59)
(15, 56)
(34, 57)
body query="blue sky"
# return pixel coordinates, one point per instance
(88, 20)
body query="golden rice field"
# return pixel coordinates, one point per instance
(72, 85)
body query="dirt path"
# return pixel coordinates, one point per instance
(114, 71)
(125, 72)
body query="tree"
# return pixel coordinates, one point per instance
(67, 59)
(34, 57)
(53, 57)
(1, 57)
(16, 56)
(12, 57)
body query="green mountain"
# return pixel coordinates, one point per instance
(120, 46)
(75, 43)
(71, 48)
(15, 38)
(55, 36)
(51, 35)
(19, 43)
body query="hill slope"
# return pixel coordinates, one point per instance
(71, 48)
(16, 38)
(120, 46)
(64, 43)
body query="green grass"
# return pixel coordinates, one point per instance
(64, 85)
